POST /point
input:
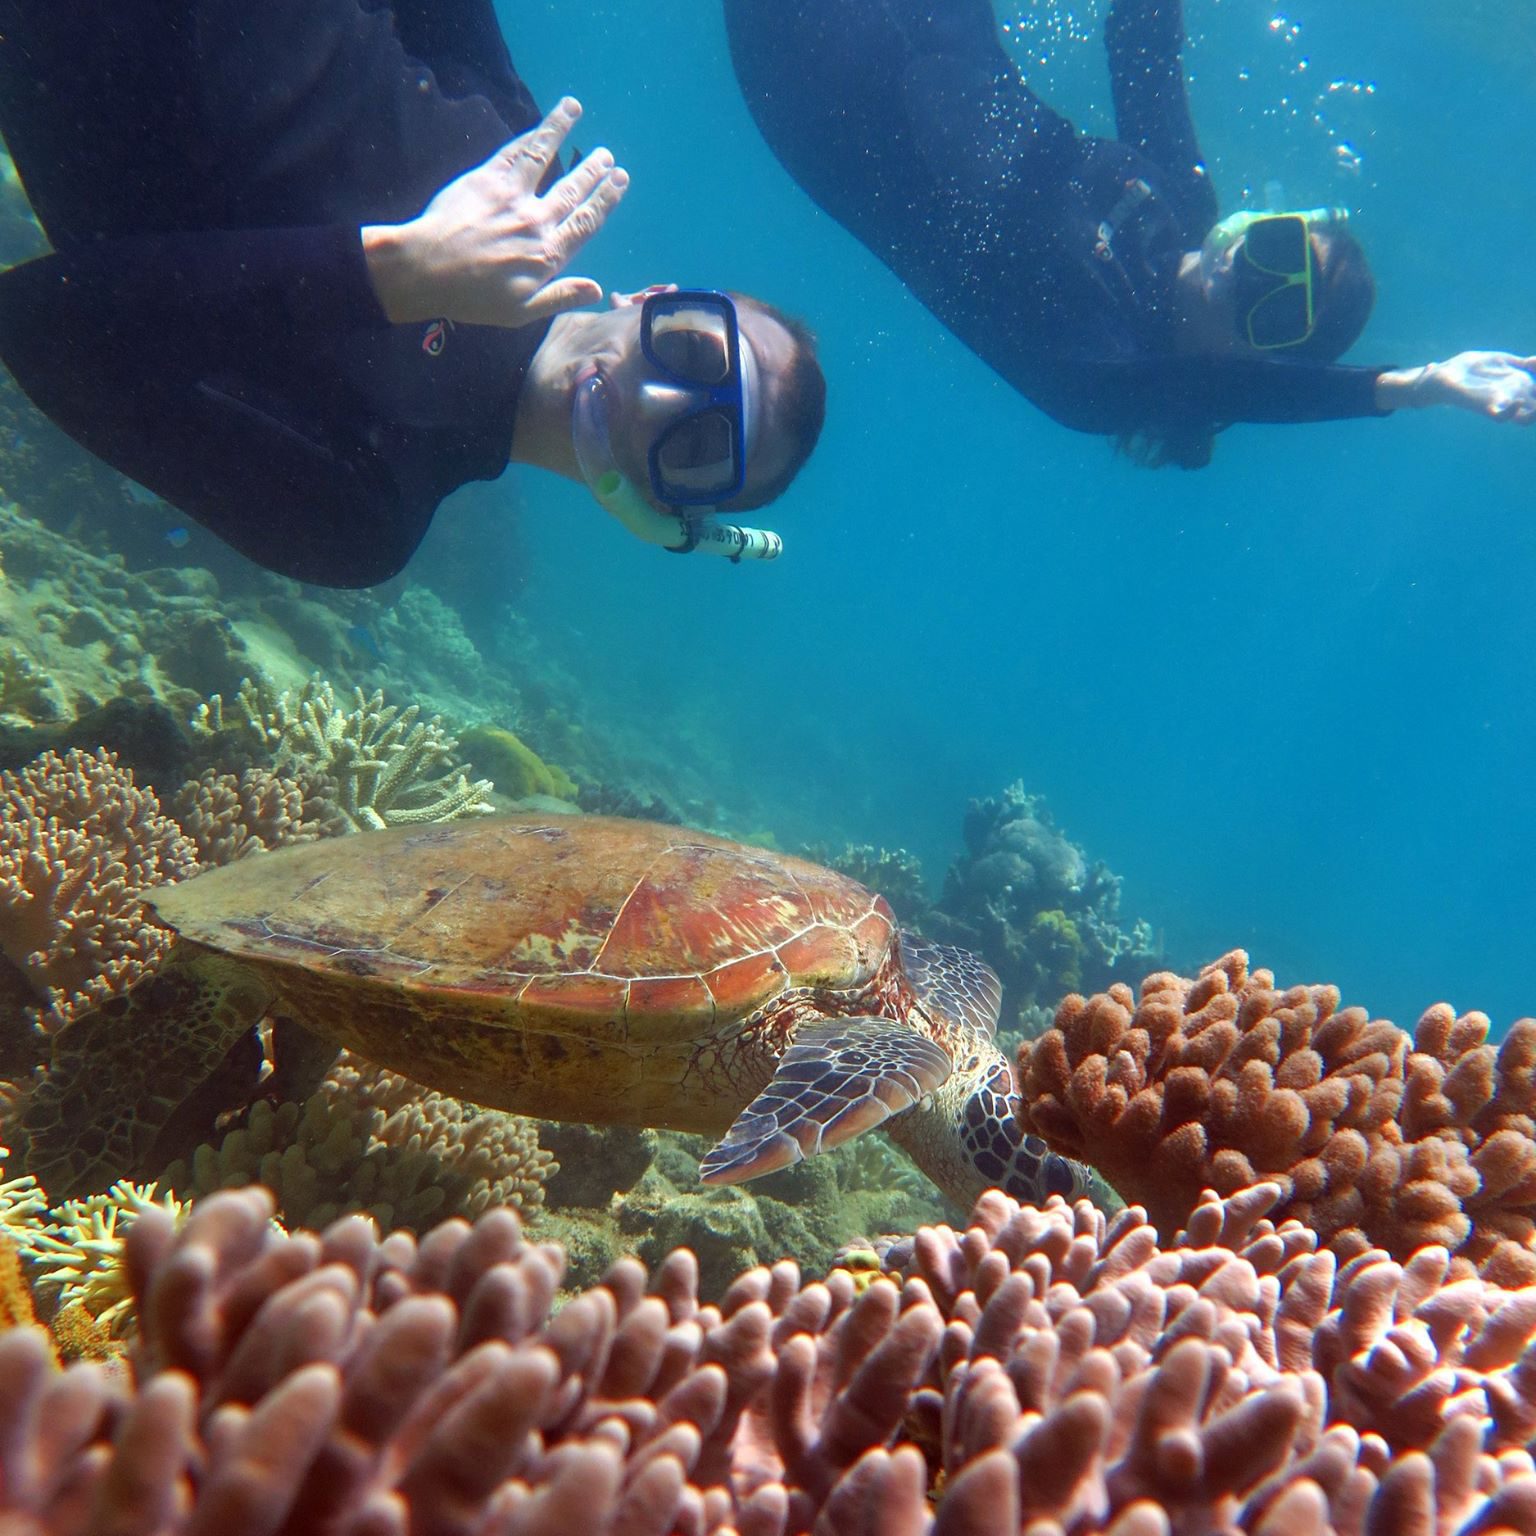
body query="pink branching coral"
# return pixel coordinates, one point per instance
(1379, 1138)
(80, 843)
(1045, 1371)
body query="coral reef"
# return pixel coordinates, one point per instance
(82, 629)
(372, 1141)
(1378, 1138)
(80, 843)
(386, 766)
(1043, 1370)
(1029, 901)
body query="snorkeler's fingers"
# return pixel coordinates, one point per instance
(588, 217)
(562, 294)
(529, 154)
(578, 184)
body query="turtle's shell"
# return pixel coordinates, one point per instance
(582, 925)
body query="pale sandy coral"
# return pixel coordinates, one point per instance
(372, 1141)
(230, 816)
(1378, 1138)
(80, 843)
(1044, 1371)
(388, 766)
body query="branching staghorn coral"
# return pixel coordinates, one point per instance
(1045, 1371)
(1379, 1138)
(80, 843)
(374, 1142)
(388, 766)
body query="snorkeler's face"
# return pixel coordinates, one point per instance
(645, 401)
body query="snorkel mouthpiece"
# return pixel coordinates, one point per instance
(619, 496)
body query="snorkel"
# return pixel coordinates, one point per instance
(619, 496)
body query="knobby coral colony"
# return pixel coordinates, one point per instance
(1307, 1353)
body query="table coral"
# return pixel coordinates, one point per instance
(80, 843)
(1378, 1138)
(1045, 1370)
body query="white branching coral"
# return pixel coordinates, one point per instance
(78, 1248)
(389, 767)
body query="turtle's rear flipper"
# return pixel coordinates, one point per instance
(838, 1078)
(122, 1074)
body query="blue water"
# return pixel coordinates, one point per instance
(1290, 697)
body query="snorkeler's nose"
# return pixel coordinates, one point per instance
(658, 403)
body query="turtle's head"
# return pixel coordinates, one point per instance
(1004, 1158)
(966, 1137)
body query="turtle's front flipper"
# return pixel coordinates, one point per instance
(958, 987)
(120, 1075)
(837, 1078)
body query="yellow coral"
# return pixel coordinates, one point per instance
(515, 768)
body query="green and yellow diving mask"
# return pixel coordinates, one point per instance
(692, 342)
(1274, 273)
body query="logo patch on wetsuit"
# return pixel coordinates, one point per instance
(435, 337)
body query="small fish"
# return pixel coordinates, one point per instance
(177, 537)
(364, 640)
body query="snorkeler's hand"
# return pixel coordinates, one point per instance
(489, 248)
(1499, 385)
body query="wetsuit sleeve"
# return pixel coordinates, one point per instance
(1144, 40)
(462, 42)
(145, 372)
(1177, 391)
(245, 279)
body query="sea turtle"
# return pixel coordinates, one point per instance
(577, 968)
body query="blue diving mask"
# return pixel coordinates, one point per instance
(691, 339)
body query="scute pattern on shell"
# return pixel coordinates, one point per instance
(584, 915)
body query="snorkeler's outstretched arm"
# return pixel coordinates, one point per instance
(1144, 40)
(1499, 385)
(1181, 391)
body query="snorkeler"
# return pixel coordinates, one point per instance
(308, 278)
(1092, 274)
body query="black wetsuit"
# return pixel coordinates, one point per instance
(207, 325)
(1051, 254)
